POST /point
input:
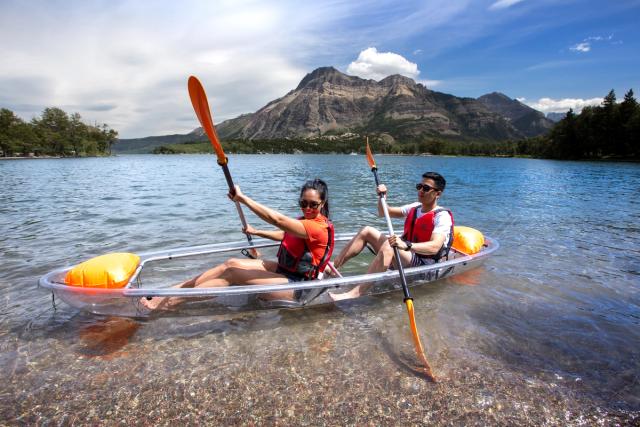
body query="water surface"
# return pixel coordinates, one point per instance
(545, 333)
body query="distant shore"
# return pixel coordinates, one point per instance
(50, 157)
(603, 159)
(31, 157)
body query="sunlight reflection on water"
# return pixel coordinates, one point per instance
(545, 333)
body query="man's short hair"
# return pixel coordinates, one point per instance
(437, 179)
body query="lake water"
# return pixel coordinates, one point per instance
(547, 332)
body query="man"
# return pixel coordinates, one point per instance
(427, 236)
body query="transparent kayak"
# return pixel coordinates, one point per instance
(159, 270)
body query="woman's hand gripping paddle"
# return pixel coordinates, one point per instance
(407, 297)
(201, 107)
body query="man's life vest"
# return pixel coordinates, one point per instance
(417, 230)
(295, 257)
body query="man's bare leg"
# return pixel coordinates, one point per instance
(367, 235)
(381, 262)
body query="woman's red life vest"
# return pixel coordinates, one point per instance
(295, 257)
(417, 230)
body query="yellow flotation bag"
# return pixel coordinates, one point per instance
(467, 240)
(105, 271)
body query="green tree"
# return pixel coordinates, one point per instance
(612, 136)
(53, 128)
(8, 122)
(77, 134)
(632, 130)
(628, 109)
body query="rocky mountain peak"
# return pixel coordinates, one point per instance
(502, 104)
(397, 79)
(324, 74)
(531, 122)
(496, 96)
(329, 102)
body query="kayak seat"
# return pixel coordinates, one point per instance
(279, 303)
(303, 298)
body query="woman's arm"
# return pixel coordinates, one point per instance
(276, 235)
(269, 215)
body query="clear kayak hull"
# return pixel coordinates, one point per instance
(126, 301)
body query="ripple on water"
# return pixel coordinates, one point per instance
(543, 334)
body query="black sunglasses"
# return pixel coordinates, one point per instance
(313, 205)
(426, 188)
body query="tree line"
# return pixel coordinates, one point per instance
(611, 130)
(54, 133)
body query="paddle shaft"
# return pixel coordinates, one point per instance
(201, 107)
(396, 252)
(232, 188)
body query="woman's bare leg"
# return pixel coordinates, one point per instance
(231, 272)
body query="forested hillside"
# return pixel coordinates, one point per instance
(55, 133)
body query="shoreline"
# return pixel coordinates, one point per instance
(615, 160)
(52, 157)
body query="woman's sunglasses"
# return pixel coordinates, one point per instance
(313, 205)
(424, 187)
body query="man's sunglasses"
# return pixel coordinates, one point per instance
(313, 205)
(424, 187)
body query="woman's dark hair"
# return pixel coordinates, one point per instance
(321, 187)
(438, 179)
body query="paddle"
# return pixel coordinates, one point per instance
(407, 297)
(201, 107)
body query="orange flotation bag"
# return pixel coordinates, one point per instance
(105, 271)
(467, 240)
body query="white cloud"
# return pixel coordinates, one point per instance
(599, 38)
(127, 65)
(581, 47)
(549, 105)
(375, 65)
(585, 45)
(503, 4)
(430, 83)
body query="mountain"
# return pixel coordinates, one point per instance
(556, 117)
(528, 121)
(147, 144)
(329, 102)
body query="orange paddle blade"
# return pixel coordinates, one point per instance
(372, 163)
(201, 107)
(416, 340)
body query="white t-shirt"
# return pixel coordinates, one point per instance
(441, 223)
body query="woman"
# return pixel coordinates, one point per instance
(307, 244)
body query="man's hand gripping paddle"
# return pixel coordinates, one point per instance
(407, 297)
(201, 107)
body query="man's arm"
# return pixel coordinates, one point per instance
(431, 247)
(394, 211)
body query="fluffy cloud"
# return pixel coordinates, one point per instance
(581, 47)
(549, 105)
(125, 68)
(503, 4)
(375, 65)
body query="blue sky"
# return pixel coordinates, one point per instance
(126, 63)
